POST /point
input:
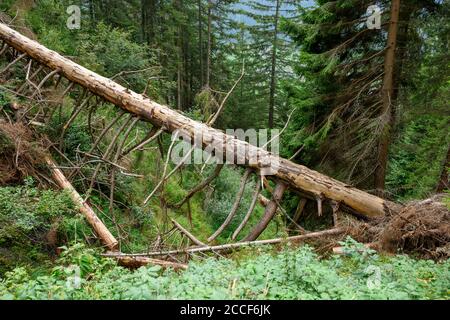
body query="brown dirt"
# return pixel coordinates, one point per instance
(20, 154)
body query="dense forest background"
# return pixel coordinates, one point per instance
(353, 111)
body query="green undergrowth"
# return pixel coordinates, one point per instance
(263, 273)
(33, 222)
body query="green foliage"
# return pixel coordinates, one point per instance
(76, 139)
(48, 19)
(416, 164)
(295, 273)
(422, 139)
(337, 92)
(27, 215)
(219, 205)
(110, 51)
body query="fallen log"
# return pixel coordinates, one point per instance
(100, 229)
(137, 262)
(341, 250)
(296, 176)
(312, 235)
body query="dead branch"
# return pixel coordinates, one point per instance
(214, 118)
(97, 142)
(249, 212)
(116, 158)
(235, 206)
(137, 262)
(300, 208)
(200, 186)
(46, 78)
(335, 206)
(319, 200)
(75, 113)
(312, 235)
(151, 136)
(106, 154)
(269, 213)
(187, 233)
(9, 66)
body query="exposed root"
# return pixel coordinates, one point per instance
(421, 229)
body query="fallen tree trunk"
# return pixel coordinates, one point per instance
(342, 251)
(103, 233)
(137, 262)
(312, 235)
(295, 176)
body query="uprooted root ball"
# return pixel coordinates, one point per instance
(420, 228)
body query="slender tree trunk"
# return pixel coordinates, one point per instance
(444, 181)
(274, 65)
(208, 53)
(180, 60)
(92, 10)
(200, 40)
(149, 10)
(387, 92)
(143, 21)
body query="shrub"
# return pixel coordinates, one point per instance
(31, 221)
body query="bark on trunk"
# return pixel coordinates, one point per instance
(200, 39)
(387, 92)
(274, 66)
(208, 50)
(298, 177)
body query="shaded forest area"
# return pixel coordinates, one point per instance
(367, 107)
